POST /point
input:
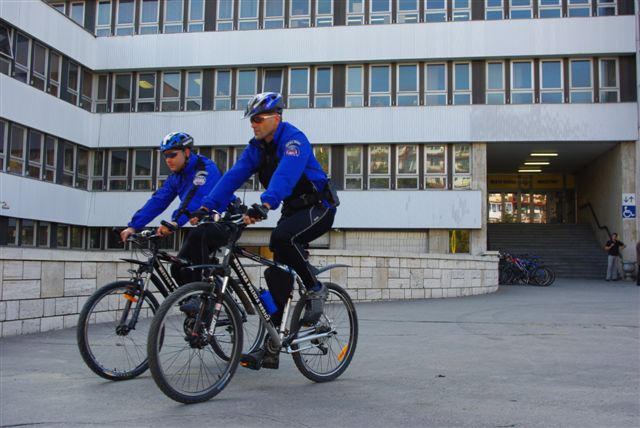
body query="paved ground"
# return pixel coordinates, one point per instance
(568, 355)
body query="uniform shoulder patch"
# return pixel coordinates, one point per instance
(200, 179)
(292, 148)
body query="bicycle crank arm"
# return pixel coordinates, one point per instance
(310, 338)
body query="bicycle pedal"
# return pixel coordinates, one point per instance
(250, 365)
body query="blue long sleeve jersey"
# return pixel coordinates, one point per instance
(295, 158)
(180, 184)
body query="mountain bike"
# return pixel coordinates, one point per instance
(113, 325)
(194, 339)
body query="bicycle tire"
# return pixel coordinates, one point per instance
(110, 357)
(339, 314)
(170, 340)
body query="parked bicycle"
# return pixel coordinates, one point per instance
(194, 344)
(524, 270)
(113, 325)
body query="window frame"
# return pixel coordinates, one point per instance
(299, 20)
(373, 95)
(354, 17)
(608, 89)
(195, 25)
(439, 174)
(78, 3)
(377, 175)
(439, 92)
(121, 101)
(492, 91)
(146, 101)
(68, 175)
(142, 178)
(435, 14)
(17, 160)
(408, 16)
(82, 178)
(460, 13)
(353, 176)
(223, 98)
(400, 94)
(192, 100)
(125, 28)
(170, 102)
(382, 17)
(573, 8)
(602, 5)
(303, 97)
(322, 96)
(49, 170)
(519, 91)
(225, 23)
(273, 21)
(36, 164)
(462, 175)
(149, 27)
(462, 92)
(245, 97)
(174, 26)
(323, 148)
(407, 175)
(544, 8)
(248, 23)
(103, 30)
(324, 19)
(36, 75)
(23, 68)
(117, 178)
(492, 11)
(53, 86)
(350, 94)
(580, 89)
(544, 90)
(519, 8)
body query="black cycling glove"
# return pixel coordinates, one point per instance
(258, 212)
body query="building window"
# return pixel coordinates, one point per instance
(323, 155)
(495, 83)
(609, 89)
(249, 184)
(100, 103)
(461, 10)
(77, 13)
(407, 85)
(60, 7)
(39, 66)
(462, 166)
(274, 14)
(73, 82)
(196, 16)
(149, 16)
(146, 99)
(170, 100)
(82, 169)
(44, 234)
(221, 158)
(435, 11)
(124, 18)
(163, 172)
(550, 8)
(225, 15)
(354, 95)
(520, 9)
(299, 88)
(103, 18)
(62, 236)
(380, 86)
(407, 11)
(379, 166)
(435, 171)
(94, 237)
(551, 90)
(355, 12)
(324, 13)
(3, 140)
(22, 58)
(407, 163)
(222, 99)
(97, 171)
(493, 10)
(353, 168)
(68, 163)
(114, 242)
(87, 87)
(436, 84)
(521, 82)
(246, 88)
(248, 19)
(6, 49)
(300, 14)
(142, 169)
(272, 80)
(27, 233)
(173, 16)
(118, 161)
(12, 231)
(607, 7)
(323, 97)
(380, 12)
(462, 83)
(194, 91)
(34, 154)
(581, 83)
(577, 8)
(122, 94)
(54, 73)
(17, 150)
(50, 150)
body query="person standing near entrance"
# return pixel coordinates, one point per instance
(613, 247)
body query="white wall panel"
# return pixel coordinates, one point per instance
(36, 109)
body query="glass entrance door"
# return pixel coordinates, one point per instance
(525, 207)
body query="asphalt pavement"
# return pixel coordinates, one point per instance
(563, 356)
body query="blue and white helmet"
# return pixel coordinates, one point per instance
(176, 140)
(265, 102)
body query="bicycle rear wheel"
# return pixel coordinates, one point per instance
(187, 363)
(110, 346)
(324, 359)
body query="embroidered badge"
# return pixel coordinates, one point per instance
(292, 148)
(200, 179)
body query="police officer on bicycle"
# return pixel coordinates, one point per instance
(282, 157)
(192, 177)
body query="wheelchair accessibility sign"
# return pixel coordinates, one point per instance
(628, 205)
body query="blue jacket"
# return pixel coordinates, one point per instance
(179, 184)
(296, 158)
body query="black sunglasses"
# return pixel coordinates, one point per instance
(170, 155)
(260, 119)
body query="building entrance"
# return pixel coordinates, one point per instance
(525, 199)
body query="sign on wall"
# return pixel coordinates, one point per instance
(628, 206)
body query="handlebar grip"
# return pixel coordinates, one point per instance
(172, 227)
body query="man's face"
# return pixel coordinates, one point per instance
(614, 236)
(176, 158)
(264, 125)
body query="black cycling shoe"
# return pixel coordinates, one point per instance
(315, 305)
(260, 358)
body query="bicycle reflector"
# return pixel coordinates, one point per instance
(342, 353)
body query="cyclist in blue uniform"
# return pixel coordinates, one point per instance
(282, 157)
(192, 178)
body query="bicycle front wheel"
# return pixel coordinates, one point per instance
(111, 344)
(189, 362)
(325, 358)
